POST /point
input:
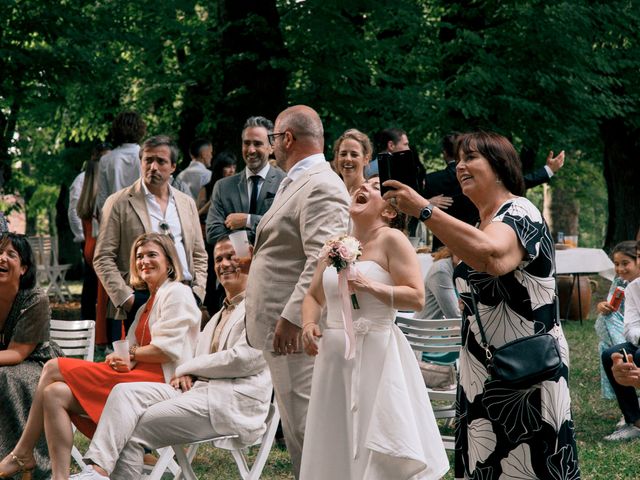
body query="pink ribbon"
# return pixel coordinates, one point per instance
(345, 274)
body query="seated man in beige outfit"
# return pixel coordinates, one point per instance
(225, 389)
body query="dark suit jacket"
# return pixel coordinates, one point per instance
(445, 182)
(230, 195)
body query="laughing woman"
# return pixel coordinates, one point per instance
(351, 154)
(24, 343)
(162, 336)
(369, 416)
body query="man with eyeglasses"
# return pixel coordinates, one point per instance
(151, 204)
(238, 202)
(310, 207)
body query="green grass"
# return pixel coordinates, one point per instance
(594, 418)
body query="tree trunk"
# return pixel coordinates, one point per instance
(561, 210)
(621, 172)
(253, 81)
(68, 250)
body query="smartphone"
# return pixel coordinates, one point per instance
(623, 352)
(401, 166)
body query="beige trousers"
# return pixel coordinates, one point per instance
(291, 377)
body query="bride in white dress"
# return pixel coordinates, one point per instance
(369, 417)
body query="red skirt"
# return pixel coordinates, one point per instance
(91, 384)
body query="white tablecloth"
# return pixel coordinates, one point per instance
(584, 260)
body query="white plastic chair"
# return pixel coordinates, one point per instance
(184, 455)
(76, 338)
(45, 250)
(436, 336)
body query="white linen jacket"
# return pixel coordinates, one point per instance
(174, 323)
(239, 384)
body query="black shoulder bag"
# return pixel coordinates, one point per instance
(523, 362)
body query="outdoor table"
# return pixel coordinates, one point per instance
(580, 261)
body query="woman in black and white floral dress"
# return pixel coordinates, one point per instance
(508, 260)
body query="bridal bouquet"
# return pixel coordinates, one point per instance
(342, 253)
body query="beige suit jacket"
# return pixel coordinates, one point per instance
(124, 218)
(239, 389)
(289, 237)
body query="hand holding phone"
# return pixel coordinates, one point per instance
(401, 166)
(623, 352)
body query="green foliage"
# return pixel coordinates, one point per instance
(546, 74)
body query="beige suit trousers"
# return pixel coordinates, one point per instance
(291, 377)
(148, 415)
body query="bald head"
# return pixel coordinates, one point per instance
(305, 135)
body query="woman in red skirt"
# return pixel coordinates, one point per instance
(162, 336)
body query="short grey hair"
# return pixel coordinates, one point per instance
(258, 122)
(161, 141)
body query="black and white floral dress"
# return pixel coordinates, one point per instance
(504, 433)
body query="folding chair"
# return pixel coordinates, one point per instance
(184, 455)
(46, 253)
(76, 338)
(435, 335)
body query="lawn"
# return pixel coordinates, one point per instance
(594, 418)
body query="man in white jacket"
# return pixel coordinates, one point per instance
(225, 389)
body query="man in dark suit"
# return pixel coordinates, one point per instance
(445, 182)
(239, 201)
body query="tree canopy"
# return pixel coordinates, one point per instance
(549, 75)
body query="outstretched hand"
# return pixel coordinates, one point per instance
(441, 201)
(405, 198)
(555, 163)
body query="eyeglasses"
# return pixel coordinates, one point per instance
(272, 137)
(165, 230)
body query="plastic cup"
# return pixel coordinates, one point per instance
(571, 241)
(240, 243)
(121, 349)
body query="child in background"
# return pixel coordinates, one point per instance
(610, 322)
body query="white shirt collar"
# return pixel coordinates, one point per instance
(261, 173)
(147, 192)
(305, 164)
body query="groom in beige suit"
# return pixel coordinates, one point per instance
(225, 389)
(310, 207)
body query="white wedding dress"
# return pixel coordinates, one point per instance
(369, 417)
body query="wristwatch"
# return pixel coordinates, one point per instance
(426, 212)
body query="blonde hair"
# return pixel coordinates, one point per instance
(168, 248)
(442, 252)
(358, 136)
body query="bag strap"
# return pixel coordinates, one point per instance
(484, 344)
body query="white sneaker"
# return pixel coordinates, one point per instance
(628, 432)
(88, 474)
(621, 423)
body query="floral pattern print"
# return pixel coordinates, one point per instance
(505, 433)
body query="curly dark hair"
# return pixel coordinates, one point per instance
(127, 127)
(22, 246)
(500, 154)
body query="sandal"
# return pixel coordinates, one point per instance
(23, 468)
